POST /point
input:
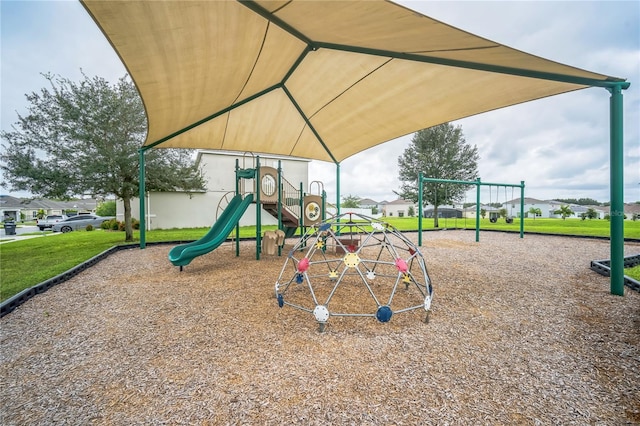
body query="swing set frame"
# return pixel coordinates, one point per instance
(478, 183)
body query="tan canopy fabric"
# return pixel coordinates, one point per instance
(314, 79)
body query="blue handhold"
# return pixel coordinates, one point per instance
(325, 227)
(384, 314)
(280, 300)
(299, 278)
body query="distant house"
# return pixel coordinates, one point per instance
(470, 212)
(399, 208)
(578, 210)
(443, 212)
(29, 208)
(632, 211)
(548, 207)
(10, 207)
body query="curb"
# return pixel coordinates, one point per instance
(603, 267)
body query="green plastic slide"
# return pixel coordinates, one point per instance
(183, 254)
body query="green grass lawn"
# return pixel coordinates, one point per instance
(592, 228)
(28, 262)
(633, 272)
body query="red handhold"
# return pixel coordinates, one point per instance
(401, 265)
(303, 265)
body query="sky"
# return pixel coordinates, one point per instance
(559, 145)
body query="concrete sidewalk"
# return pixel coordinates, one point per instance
(4, 239)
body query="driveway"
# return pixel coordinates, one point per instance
(20, 233)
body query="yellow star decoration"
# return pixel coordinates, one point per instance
(406, 278)
(320, 245)
(333, 274)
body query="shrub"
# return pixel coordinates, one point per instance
(111, 224)
(108, 208)
(89, 227)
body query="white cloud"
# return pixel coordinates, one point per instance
(559, 146)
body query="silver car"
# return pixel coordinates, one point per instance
(74, 223)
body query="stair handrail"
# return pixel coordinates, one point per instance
(291, 197)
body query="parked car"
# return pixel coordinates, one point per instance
(49, 221)
(80, 222)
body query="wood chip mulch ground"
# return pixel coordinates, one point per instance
(521, 332)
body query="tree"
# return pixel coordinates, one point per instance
(564, 211)
(83, 139)
(535, 211)
(580, 201)
(591, 213)
(350, 201)
(439, 152)
(108, 208)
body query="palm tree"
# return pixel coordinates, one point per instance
(535, 212)
(564, 212)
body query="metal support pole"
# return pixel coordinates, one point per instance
(258, 190)
(617, 198)
(280, 202)
(338, 195)
(521, 209)
(301, 216)
(477, 210)
(141, 192)
(324, 206)
(338, 189)
(420, 212)
(237, 192)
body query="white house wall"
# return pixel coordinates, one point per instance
(166, 210)
(393, 210)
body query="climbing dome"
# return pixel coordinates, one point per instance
(354, 266)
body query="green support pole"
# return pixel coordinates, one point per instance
(617, 199)
(141, 192)
(257, 186)
(303, 228)
(521, 209)
(420, 212)
(338, 195)
(477, 210)
(324, 206)
(280, 202)
(337, 189)
(238, 224)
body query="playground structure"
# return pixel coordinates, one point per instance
(266, 188)
(478, 183)
(354, 266)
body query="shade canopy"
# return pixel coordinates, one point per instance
(314, 79)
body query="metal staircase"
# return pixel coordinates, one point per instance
(290, 208)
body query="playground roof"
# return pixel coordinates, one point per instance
(314, 79)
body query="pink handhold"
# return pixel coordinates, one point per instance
(303, 265)
(401, 265)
